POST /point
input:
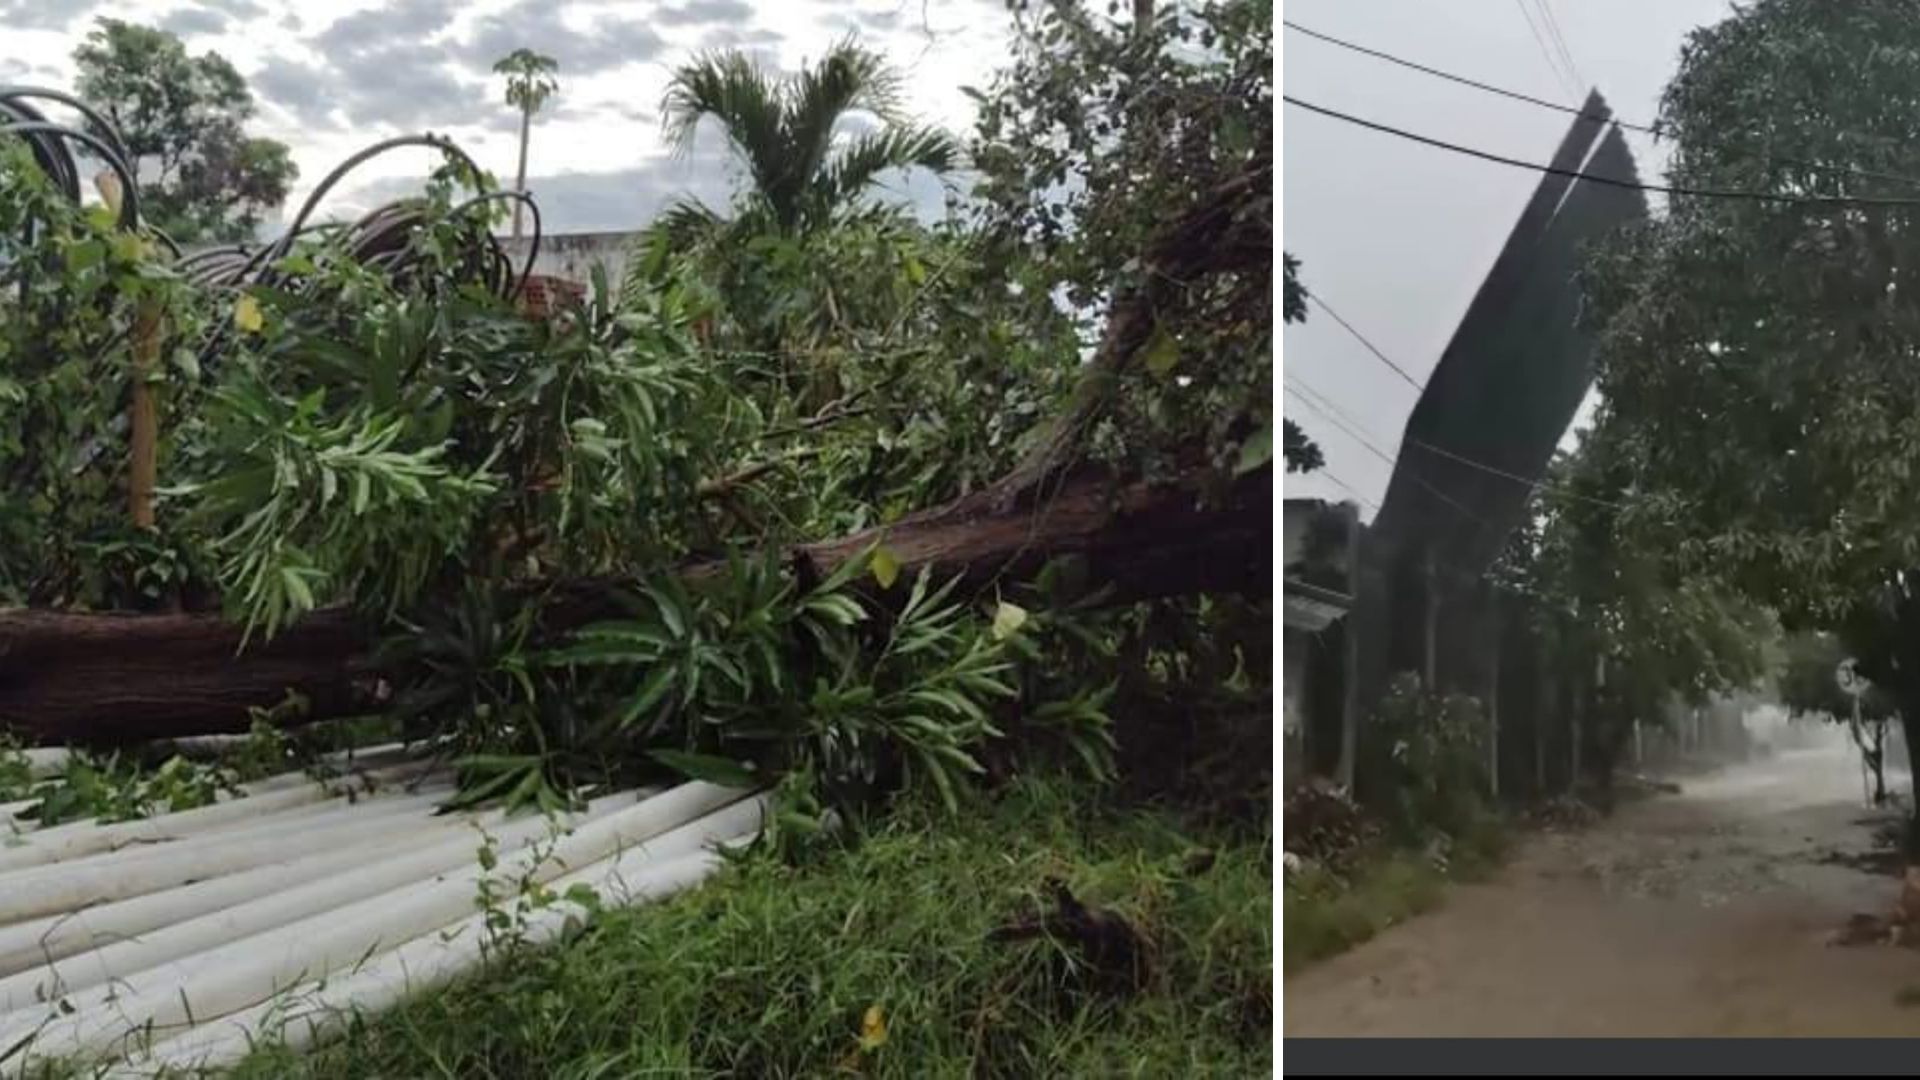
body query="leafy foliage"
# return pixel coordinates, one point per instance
(1095, 137)
(1302, 453)
(392, 436)
(204, 178)
(1754, 354)
(1426, 761)
(783, 130)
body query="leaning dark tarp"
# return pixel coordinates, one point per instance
(1493, 410)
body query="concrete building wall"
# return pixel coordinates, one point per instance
(574, 255)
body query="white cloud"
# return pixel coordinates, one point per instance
(333, 78)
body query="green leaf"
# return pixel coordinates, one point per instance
(652, 692)
(1162, 352)
(885, 567)
(713, 770)
(1256, 451)
(1008, 618)
(85, 255)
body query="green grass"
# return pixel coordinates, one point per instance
(1324, 913)
(769, 970)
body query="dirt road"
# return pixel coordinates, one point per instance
(1704, 913)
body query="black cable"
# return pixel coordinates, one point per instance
(1299, 393)
(1362, 339)
(1354, 491)
(1545, 53)
(1515, 95)
(1559, 41)
(1665, 189)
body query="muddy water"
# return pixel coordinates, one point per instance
(1704, 913)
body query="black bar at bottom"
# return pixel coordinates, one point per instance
(1602, 1057)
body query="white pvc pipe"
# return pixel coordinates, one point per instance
(46, 760)
(236, 975)
(303, 1015)
(356, 760)
(59, 887)
(424, 857)
(81, 838)
(55, 937)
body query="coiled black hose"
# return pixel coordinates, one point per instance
(382, 238)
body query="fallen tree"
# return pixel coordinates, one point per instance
(1195, 291)
(113, 678)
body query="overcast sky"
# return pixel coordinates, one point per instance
(1397, 236)
(332, 76)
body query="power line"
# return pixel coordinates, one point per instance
(1362, 339)
(1536, 485)
(1354, 491)
(1546, 53)
(1464, 81)
(1328, 416)
(1559, 41)
(1664, 189)
(1327, 400)
(1412, 473)
(1653, 130)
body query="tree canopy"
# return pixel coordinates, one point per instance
(1757, 356)
(182, 118)
(788, 131)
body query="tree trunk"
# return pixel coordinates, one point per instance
(1910, 728)
(98, 678)
(520, 174)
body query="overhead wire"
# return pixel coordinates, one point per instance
(1552, 22)
(1545, 52)
(1609, 181)
(1653, 130)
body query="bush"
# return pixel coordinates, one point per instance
(1424, 763)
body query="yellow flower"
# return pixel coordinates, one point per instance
(873, 1029)
(246, 315)
(886, 568)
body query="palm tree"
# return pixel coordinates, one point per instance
(530, 83)
(783, 129)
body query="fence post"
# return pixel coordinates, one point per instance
(143, 468)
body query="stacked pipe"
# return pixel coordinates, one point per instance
(181, 941)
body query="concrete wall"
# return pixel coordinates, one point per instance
(573, 255)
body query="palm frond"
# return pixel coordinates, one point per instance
(731, 89)
(848, 77)
(683, 226)
(869, 155)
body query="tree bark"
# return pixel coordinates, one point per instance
(109, 679)
(520, 175)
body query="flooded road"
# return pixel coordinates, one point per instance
(1710, 912)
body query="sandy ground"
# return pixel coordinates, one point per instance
(1704, 913)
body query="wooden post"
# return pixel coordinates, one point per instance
(143, 422)
(142, 468)
(1350, 667)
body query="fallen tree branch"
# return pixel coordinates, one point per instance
(115, 679)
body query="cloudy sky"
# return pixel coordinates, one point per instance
(334, 76)
(1397, 236)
